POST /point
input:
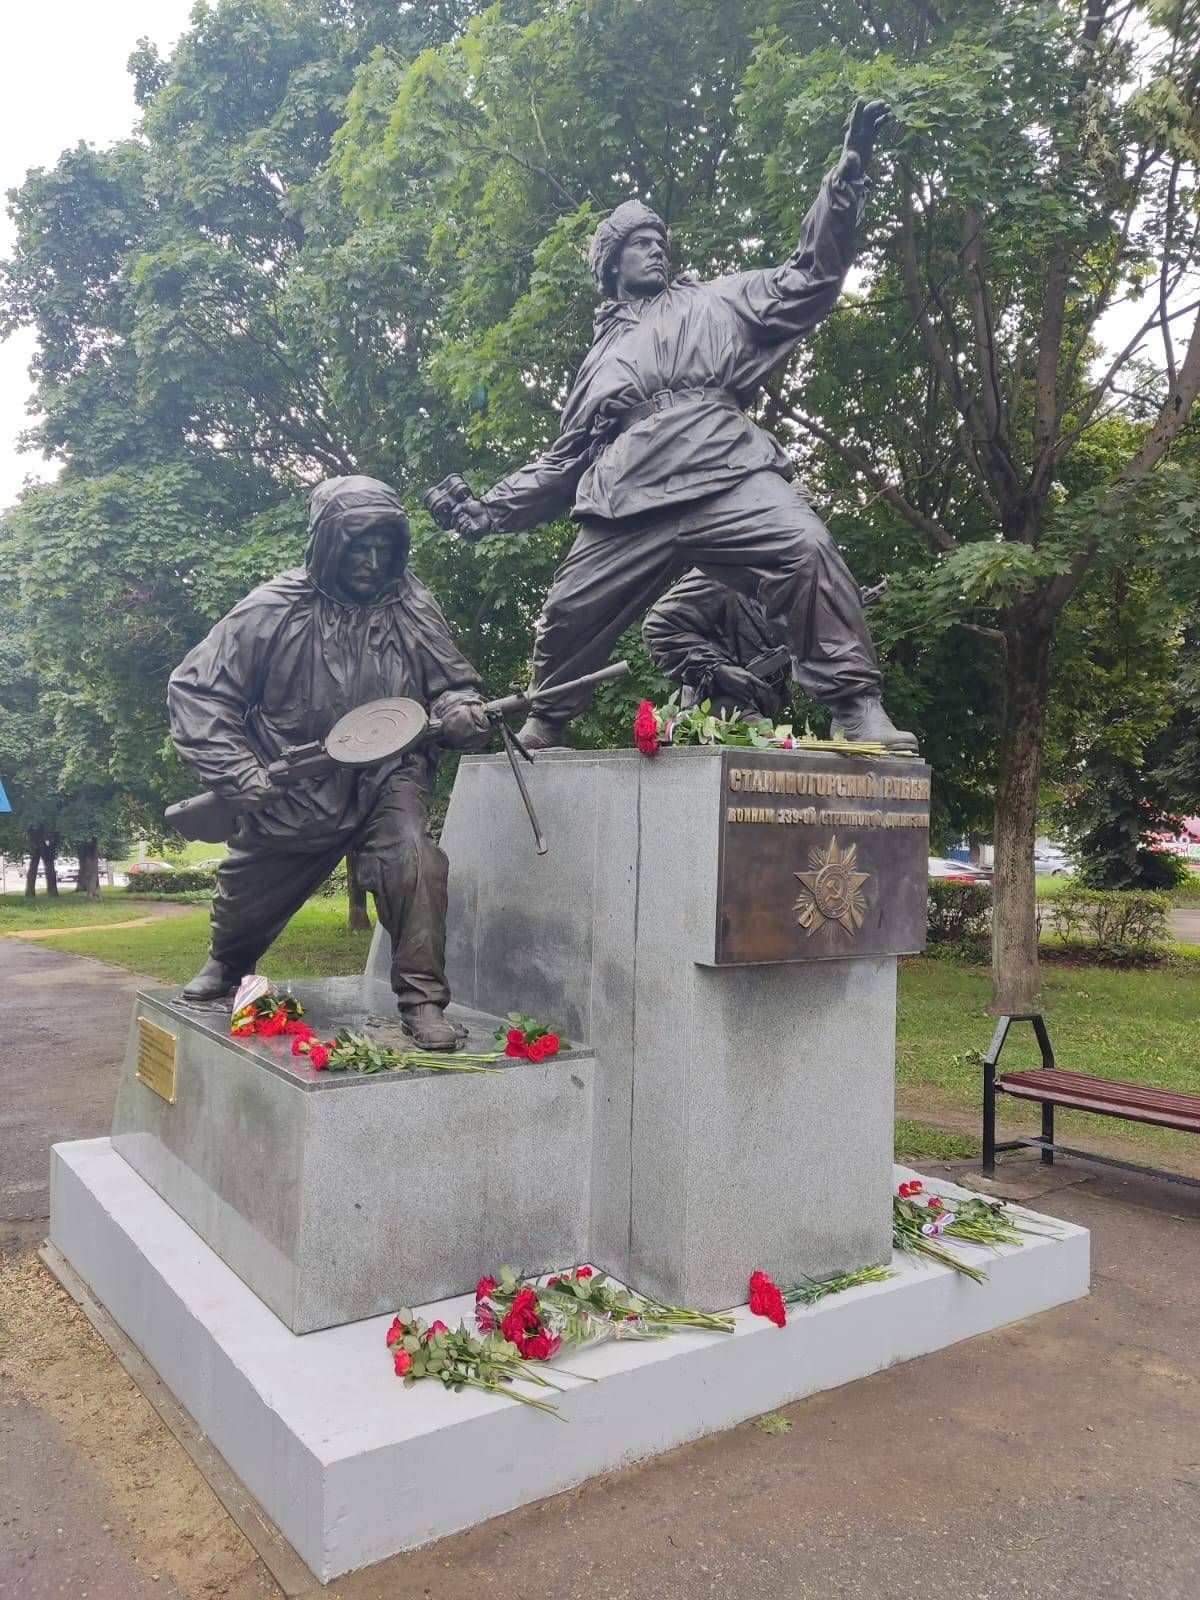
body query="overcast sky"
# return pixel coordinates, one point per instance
(62, 79)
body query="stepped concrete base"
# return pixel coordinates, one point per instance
(353, 1467)
(341, 1195)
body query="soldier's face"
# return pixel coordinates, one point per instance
(366, 567)
(642, 265)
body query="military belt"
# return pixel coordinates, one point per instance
(667, 399)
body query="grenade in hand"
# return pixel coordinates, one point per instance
(444, 498)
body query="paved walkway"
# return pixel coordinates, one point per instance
(1056, 1459)
(1185, 924)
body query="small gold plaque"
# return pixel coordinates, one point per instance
(156, 1059)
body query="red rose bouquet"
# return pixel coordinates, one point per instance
(526, 1039)
(579, 1306)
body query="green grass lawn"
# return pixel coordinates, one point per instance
(314, 944)
(1139, 1025)
(68, 910)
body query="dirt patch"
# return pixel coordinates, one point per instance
(173, 1531)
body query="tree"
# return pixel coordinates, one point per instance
(1045, 168)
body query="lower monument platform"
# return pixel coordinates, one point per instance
(353, 1467)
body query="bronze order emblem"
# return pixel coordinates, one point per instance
(831, 891)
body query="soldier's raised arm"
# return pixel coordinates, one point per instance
(780, 303)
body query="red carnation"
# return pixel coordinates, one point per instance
(298, 1047)
(538, 1050)
(915, 1186)
(484, 1287)
(583, 1272)
(766, 1300)
(515, 1036)
(300, 1030)
(319, 1056)
(645, 729)
(904, 1190)
(549, 1043)
(244, 1028)
(401, 1361)
(520, 1051)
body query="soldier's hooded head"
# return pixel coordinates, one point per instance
(358, 540)
(628, 252)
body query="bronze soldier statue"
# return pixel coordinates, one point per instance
(351, 626)
(718, 646)
(664, 470)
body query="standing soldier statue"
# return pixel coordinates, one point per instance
(665, 471)
(352, 626)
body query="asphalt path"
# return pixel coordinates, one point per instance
(1057, 1459)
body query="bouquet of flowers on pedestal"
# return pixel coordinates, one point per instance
(577, 1306)
(458, 1360)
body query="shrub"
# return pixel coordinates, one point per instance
(1126, 924)
(176, 880)
(336, 883)
(1161, 870)
(958, 912)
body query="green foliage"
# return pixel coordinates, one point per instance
(178, 880)
(351, 237)
(1117, 921)
(958, 912)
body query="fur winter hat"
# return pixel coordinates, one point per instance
(612, 234)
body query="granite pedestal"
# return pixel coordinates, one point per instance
(353, 1467)
(742, 1114)
(337, 1196)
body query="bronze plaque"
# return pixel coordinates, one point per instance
(156, 1059)
(822, 856)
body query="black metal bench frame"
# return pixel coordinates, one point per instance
(1045, 1141)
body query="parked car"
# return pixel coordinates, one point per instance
(149, 866)
(1052, 861)
(958, 871)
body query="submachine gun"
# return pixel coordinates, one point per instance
(379, 731)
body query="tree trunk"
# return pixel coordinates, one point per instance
(1016, 978)
(358, 921)
(42, 846)
(49, 851)
(89, 869)
(35, 859)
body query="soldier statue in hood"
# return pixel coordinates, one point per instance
(664, 471)
(350, 626)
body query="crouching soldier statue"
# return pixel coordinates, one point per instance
(352, 625)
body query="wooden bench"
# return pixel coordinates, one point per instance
(1050, 1086)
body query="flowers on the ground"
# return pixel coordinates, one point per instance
(526, 1039)
(575, 1306)
(460, 1360)
(357, 1052)
(766, 1300)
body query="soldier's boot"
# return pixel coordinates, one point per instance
(863, 718)
(430, 1029)
(542, 733)
(214, 981)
